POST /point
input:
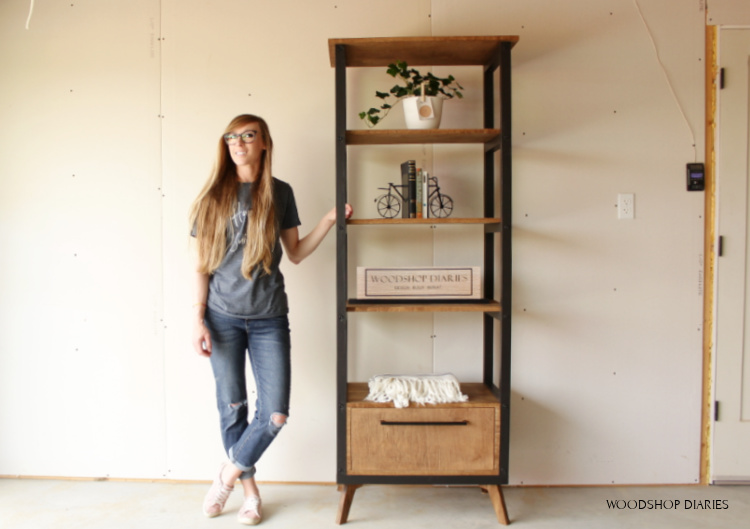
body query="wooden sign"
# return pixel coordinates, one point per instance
(451, 282)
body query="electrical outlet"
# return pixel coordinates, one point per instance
(626, 206)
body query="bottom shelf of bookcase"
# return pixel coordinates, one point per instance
(434, 443)
(455, 439)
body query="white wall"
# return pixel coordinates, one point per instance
(110, 116)
(728, 13)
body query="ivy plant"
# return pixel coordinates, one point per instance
(413, 84)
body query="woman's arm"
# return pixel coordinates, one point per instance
(297, 249)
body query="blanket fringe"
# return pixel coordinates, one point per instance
(420, 389)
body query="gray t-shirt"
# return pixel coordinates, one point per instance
(264, 297)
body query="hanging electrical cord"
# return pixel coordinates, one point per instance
(31, 12)
(666, 76)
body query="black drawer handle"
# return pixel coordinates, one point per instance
(420, 423)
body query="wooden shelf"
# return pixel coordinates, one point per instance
(411, 136)
(419, 51)
(417, 306)
(427, 221)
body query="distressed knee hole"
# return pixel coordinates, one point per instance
(278, 420)
(238, 405)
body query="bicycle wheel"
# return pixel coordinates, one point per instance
(441, 206)
(388, 206)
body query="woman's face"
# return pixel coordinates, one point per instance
(245, 144)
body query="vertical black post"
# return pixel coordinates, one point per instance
(489, 212)
(341, 264)
(506, 206)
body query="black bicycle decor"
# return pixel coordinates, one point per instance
(390, 204)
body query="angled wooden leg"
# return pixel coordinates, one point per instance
(345, 502)
(498, 502)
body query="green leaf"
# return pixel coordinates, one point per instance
(399, 91)
(397, 68)
(403, 70)
(381, 95)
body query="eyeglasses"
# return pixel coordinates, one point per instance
(247, 137)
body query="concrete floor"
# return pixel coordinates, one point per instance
(43, 504)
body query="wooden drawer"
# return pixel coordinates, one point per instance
(448, 440)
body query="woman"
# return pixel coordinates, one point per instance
(239, 220)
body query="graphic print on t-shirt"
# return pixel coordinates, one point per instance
(239, 218)
(239, 235)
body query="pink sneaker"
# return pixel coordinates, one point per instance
(250, 511)
(217, 497)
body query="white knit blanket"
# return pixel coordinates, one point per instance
(420, 389)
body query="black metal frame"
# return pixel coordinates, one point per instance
(501, 61)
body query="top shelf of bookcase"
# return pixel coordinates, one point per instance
(419, 51)
(406, 136)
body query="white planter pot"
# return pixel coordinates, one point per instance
(422, 115)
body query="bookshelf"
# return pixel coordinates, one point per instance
(462, 443)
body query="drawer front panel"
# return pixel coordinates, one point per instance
(419, 441)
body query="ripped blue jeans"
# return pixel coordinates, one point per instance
(268, 346)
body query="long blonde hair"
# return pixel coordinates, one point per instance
(211, 211)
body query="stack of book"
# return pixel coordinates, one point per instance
(415, 188)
